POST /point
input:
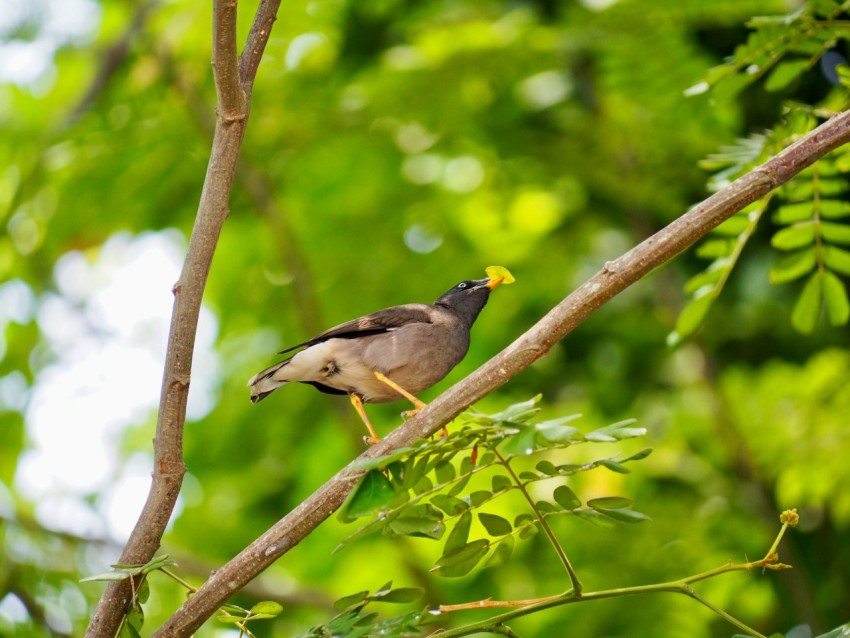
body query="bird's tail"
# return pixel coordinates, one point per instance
(263, 383)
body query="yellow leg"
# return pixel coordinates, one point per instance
(407, 395)
(357, 402)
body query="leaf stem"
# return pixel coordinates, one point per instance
(177, 578)
(681, 586)
(575, 592)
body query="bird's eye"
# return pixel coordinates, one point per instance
(462, 285)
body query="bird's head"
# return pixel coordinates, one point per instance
(469, 297)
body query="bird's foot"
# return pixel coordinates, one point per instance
(357, 402)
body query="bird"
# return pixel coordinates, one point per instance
(388, 355)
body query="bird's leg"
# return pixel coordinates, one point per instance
(418, 405)
(357, 402)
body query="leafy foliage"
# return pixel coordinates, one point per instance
(424, 490)
(137, 575)
(809, 209)
(780, 48)
(353, 621)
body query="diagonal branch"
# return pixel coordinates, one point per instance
(614, 277)
(169, 468)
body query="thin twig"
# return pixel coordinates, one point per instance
(681, 586)
(614, 277)
(553, 540)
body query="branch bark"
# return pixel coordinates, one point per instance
(231, 119)
(613, 278)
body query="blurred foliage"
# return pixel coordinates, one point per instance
(394, 148)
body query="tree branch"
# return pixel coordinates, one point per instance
(614, 277)
(169, 468)
(257, 39)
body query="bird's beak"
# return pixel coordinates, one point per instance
(498, 275)
(492, 282)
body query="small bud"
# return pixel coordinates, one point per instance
(789, 518)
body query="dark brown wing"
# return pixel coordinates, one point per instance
(373, 324)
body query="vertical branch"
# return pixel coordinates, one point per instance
(169, 467)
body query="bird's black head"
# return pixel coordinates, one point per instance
(468, 298)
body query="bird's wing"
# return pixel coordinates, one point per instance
(373, 324)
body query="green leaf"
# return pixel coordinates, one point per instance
(546, 507)
(424, 485)
(479, 497)
(609, 502)
(143, 592)
(625, 515)
(129, 630)
(794, 213)
(462, 560)
(707, 280)
(835, 208)
(415, 469)
(419, 520)
(637, 456)
(158, 562)
(784, 73)
(690, 319)
(806, 310)
(796, 236)
(500, 483)
(837, 259)
(839, 632)
(108, 576)
(466, 469)
(835, 233)
(566, 498)
(350, 600)
(520, 412)
(398, 595)
(556, 431)
(445, 472)
(228, 619)
(592, 516)
(459, 535)
(372, 494)
(600, 436)
(266, 609)
(618, 431)
(835, 298)
(547, 468)
(494, 524)
(793, 266)
(716, 248)
(522, 443)
(614, 466)
(136, 618)
(451, 505)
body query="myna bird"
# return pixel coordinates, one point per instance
(387, 355)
